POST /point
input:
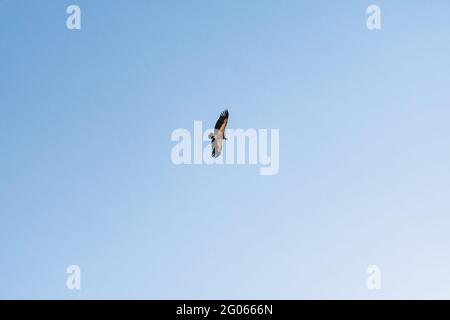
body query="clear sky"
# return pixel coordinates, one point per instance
(86, 176)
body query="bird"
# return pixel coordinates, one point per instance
(219, 134)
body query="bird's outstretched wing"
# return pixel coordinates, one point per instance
(222, 122)
(219, 134)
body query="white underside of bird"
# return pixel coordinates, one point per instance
(219, 134)
(216, 143)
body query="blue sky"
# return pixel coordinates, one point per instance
(85, 170)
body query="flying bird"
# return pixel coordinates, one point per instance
(219, 134)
